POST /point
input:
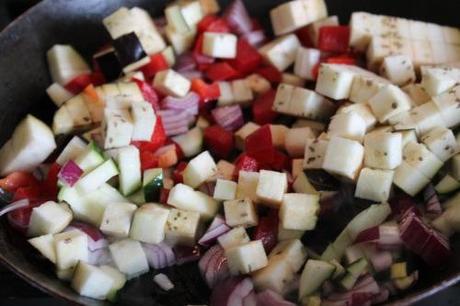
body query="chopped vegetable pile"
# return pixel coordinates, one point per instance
(314, 168)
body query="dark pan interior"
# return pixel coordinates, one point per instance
(24, 78)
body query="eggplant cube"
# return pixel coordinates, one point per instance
(242, 93)
(276, 276)
(246, 258)
(383, 150)
(116, 220)
(335, 81)
(441, 141)
(149, 223)
(58, 94)
(184, 197)
(418, 156)
(199, 169)
(295, 140)
(409, 179)
(347, 125)
(144, 120)
(398, 69)
(365, 86)
(45, 245)
(426, 117)
(219, 45)
(129, 257)
(247, 185)
(71, 247)
(235, 236)
(374, 184)
(226, 94)
(389, 101)
(315, 151)
(456, 167)
(343, 157)
(48, 218)
(171, 83)
(281, 52)
(306, 59)
(240, 213)
(292, 251)
(225, 190)
(308, 104)
(283, 97)
(182, 227)
(243, 132)
(91, 281)
(438, 80)
(299, 211)
(117, 127)
(447, 103)
(271, 187)
(360, 109)
(292, 79)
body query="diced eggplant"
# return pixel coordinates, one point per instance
(108, 63)
(128, 49)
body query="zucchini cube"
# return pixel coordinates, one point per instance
(276, 276)
(171, 83)
(49, 218)
(199, 169)
(184, 197)
(240, 213)
(71, 247)
(299, 211)
(291, 251)
(182, 227)
(117, 128)
(343, 157)
(91, 281)
(225, 190)
(45, 245)
(271, 187)
(129, 257)
(149, 223)
(116, 220)
(246, 258)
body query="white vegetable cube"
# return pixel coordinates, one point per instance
(438, 80)
(118, 278)
(425, 117)
(299, 211)
(306, 59)
(117, 128)
(365, 86)
(407, 136)
(447, 104)
(283, 97)
(362, 27)
(246, 258)
(374, 184)
(389, 101)
(335, 81)
(242, 93)
(70, 247)
(65, 63)
(362, 110)
(48, 218)
(224, 170)
(343, 157)
(235, 236)
(58, 94)
(418, 156)
(271, 187)
(240, 213)
(226, 94)
(219, 45)
(243, 132)
(296, 139)
(171, 83)
(348, 125)
(181, 42)
(190, 142)
(199, 169)
(285, 234)
(129, 257)
(302, 184)
(308, 104)
(45, 245)
(409, 179)
(276, 276)
(441, 141)
(314, 27)
(456, 167)
(416, 93)
(225, 190)
(292, 79)
(247, 185)
(78, 110)
(97, 177)
(315, 151)
(144, 120)
(116, 220)
(91, 281)
(278, 132)
(209, 6)
(292, 15)
(182, 227)
(398, 69)
(383, 150)
(281, 52)
(184, 197)
(149, 223)
(258, 84)
(129, 165)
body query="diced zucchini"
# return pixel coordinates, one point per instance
(116, 220)
(128, 161)
(71, 247)
(152, 184)
(74, 148)
(48, 218)
(447, 184)
(149, 223)
(97, 177)
(90, 158)
(129, 257)
(118, 279)
(190, 142)
(45, 245)
(91, 281)
(313, 275)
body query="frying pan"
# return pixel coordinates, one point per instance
(24, 78)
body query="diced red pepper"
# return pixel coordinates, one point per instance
(49, 185)
(164, 194)
(19, 219)
(219, 141)
(207, 92)
(157, 140)
(245, 163)
(77, 84)
(247, 57)
(259, 145)
(344, 59)
(267, 230)
(280, 161)
(177, 173)
(212, 23)
(270, 73)
(97, 78)
(149, 94)
(221, 71)
(148, 160)
(203, 25)
(262, 108)
(17, 180)
(303, 34)
(157, 63)
(334, 38)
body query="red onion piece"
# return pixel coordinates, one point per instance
(383, 296)
(361, 294)
(271, 298)
(186, 254)
(211, 235)
(432, 205)
(250, 299)
(185, 62)
(175, 122)
(231, 292)
(70, 173)
(192, 74)
(383, 235)
(229, 117)
(159, 255)
(203, 263)
(207, 188)
(217, 269)
(255, 38)
(14, 206)
(218, 220)
(100, 257)
(188, 103)
(238, 17)
(93, 232)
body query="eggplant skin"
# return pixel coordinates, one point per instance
(128, 49)
(109, 65)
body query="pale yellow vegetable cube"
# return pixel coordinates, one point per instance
(246, 258)
(271, 187)
(299, 211)
(374, 184)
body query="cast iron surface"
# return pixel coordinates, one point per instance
(24, 78)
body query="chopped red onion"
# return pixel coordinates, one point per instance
(100, 257)
(70, 173)
(175, 122)
(229, 117)
(255, 38)
(160, 24)
(186, 254)
(207, 188)
(159, 255)
(361, 294)
(189, 103)
(381, 261)
(163, 281)
(250, 299)
(96, 240)
(211, 235)
(213, 265)
(382, 235)
(432, 204)
(192, 74)
(383, 296)
(185, 62)
(271, 298)
(238, 17)
(231, 291)
(14, 206)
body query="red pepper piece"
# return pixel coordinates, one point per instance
(219, 141)
(344, 59)
(207, 92)
(262, 108)
(267, 230)
(259, 145)
(221, 71)
(334, 38)
(303, 34)
(148, 160)
(280, 161)
(177, 173)
(18, 179)
(247, 57)
(245, 163)
(49, 185)
(157, 63)
(157, 140)
(97, 78)
(149, 94)
(77, 84)
(164, 194)
(203, 25)
(270, 73)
